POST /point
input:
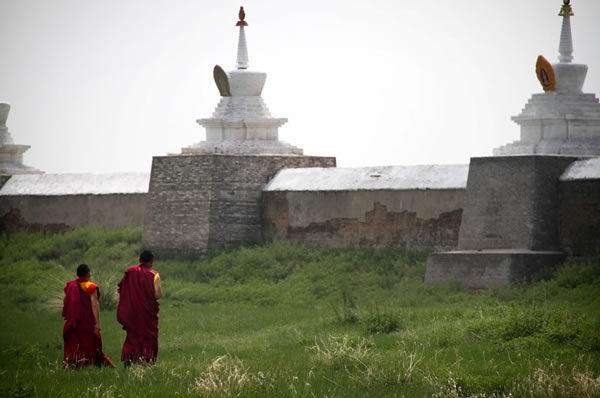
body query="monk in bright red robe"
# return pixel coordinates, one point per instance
(139, 292)
(81, 333)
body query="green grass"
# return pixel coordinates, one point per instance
(284, 320)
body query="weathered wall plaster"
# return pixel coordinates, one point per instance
(411, 219)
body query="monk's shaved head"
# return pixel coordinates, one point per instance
(146, 257)
(83, 270)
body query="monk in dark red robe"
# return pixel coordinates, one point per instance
(139, 292)
(81, 333)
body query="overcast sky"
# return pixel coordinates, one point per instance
(102, 86)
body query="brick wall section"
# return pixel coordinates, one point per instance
(580, 217)
(329, 219)
(199, 203)
(512, 202)
(177, 214)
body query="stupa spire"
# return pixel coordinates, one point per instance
(242, 50)
(565, 47)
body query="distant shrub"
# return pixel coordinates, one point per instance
(522, 323)
(534, 326)
(445, 335)
(562, 326)
(573, 274)
(347, 312)
(90, 244)
(182, 270)
(588, 340)
(381, 322)
(273, 262)
(107, 283)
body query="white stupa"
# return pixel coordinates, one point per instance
(241, 123)
(11, 155)
(563, 120)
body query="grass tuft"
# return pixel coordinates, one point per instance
(225, 376)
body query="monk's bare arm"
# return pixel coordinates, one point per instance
(157, 288)
(96, 310)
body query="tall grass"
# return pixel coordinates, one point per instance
(290, 321)
(35, 266)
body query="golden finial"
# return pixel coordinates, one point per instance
(242, 16)
(566, 10)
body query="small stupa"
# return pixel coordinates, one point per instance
(11, 155)
(563, 120)
(241, 123)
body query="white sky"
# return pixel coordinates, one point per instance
(102, 86)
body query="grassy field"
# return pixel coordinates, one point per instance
(284, 320)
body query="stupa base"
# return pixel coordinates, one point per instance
(480, 269)
(581, 147)
(246, 147)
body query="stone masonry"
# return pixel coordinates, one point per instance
(199, 203)
(580, 217)
(510, 222)
(512, 202)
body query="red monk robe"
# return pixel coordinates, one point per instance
(82, 345)
(138, 313)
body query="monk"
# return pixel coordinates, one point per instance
(81, 333)
(139, 292)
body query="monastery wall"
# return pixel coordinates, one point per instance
(56, 202)
(392, 218)
(209, 201)
(56, 213)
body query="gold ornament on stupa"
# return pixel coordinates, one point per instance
(566, 10)
(545, 74)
